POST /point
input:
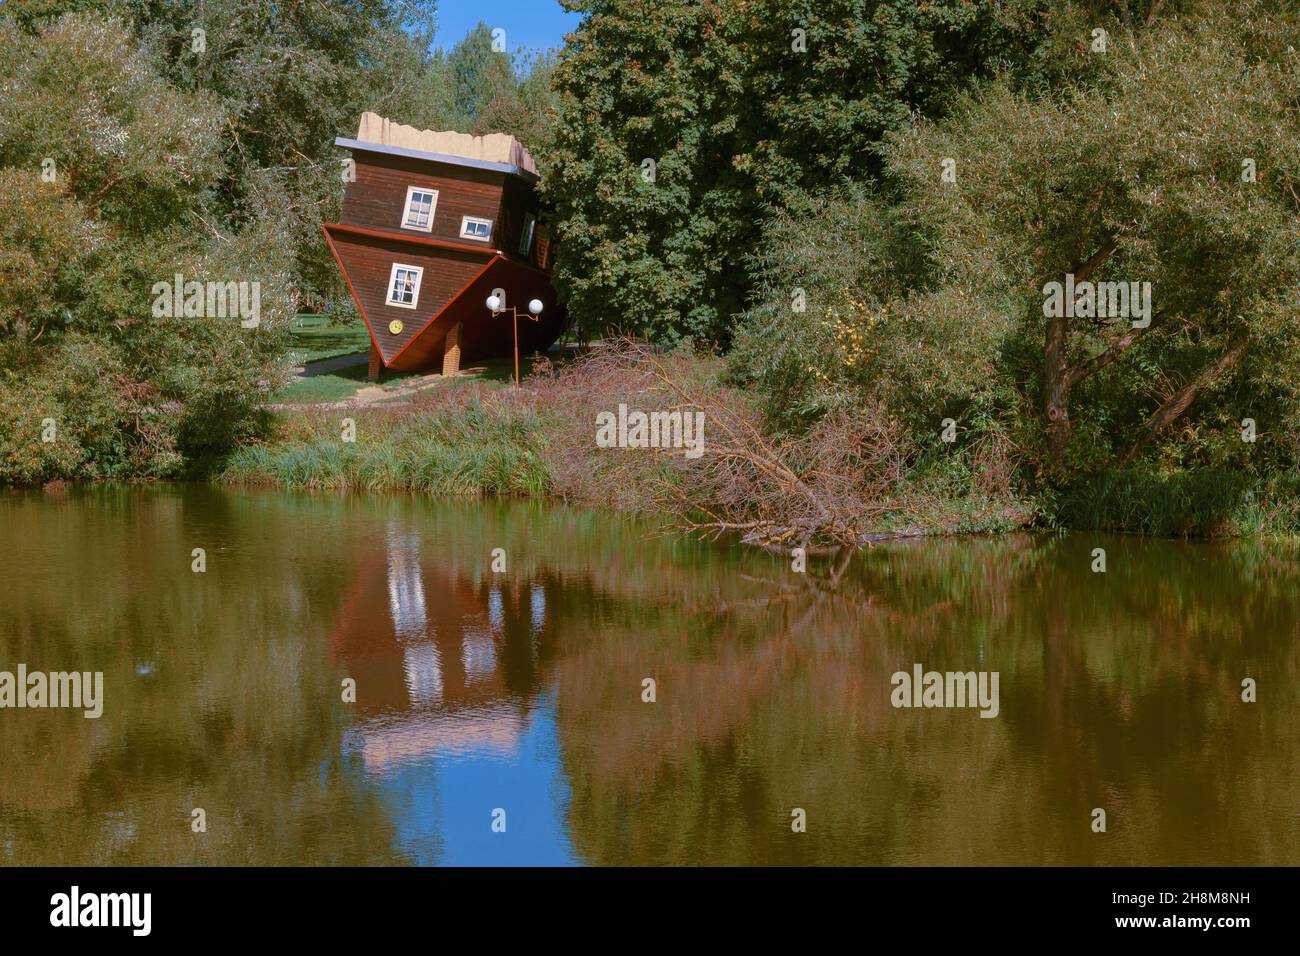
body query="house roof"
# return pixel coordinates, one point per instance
(496, 151)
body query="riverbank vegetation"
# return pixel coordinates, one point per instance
(832, 235)
(852, 475)
(851, 478)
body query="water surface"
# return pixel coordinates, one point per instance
(522, 691)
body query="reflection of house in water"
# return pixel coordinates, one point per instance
(451, 717)
(442, 664)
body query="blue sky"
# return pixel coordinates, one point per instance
(528, 23)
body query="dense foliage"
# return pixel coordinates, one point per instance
(102, 195)
(682, 123)
(1171, 163)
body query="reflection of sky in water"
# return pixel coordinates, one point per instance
(537, 608)
(1115, 693)
(442, 774)
(496, 610)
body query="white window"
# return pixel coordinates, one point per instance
(526, 237)
(472, 227)
(420, 205)
(404, 285)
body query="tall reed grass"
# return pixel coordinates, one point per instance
(468, 449)
(1209, 503)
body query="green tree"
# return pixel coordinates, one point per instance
(107, 183)
(44, 236)
(89, 131)
(741, 106)
(1178, 169)
(526, 109)
(472, 88)
(288, 78)
(478, 73)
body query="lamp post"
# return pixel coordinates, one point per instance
(534, 307)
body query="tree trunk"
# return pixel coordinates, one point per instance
(1179, 402)
(1057, 388)
(1058, 379)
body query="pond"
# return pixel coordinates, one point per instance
(505, 717)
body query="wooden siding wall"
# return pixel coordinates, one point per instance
(482, 334)
(377, 200)
(368, 262)
(517, 199)
(455, 280)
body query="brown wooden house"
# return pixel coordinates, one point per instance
(433, 225)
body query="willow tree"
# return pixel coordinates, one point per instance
(1175, 167)
(106, 181)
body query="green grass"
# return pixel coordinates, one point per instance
(499, 371)
(317, 337)
(314, 337)
(342, 384)
(336, 386)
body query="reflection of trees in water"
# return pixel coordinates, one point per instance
(236, 708)
(217, 693)
(776, 695)
(1140, 710)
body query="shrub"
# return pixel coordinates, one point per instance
(83, 389)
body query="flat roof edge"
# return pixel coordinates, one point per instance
(508, 168)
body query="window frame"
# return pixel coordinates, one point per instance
(433, 208)
(466, 220)
(526, 234)
(415, 292)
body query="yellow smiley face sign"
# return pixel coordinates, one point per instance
(395, 327)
